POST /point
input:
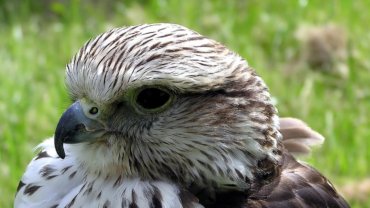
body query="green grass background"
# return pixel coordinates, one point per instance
(37, 39)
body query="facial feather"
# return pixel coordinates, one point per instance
(221, 124)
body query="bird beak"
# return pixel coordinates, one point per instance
(75, 127)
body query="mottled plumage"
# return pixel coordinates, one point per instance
(164, 117)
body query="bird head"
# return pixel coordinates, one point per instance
(160, 101)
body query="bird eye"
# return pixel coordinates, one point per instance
(152, 98)
(93, 110)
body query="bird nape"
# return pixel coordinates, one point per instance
(165, 117)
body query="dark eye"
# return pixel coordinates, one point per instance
(152, 98)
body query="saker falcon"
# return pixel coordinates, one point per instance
(165, 117)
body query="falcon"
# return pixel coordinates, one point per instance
(165, 117)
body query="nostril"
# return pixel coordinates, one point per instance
(93, 110)
(80, 127)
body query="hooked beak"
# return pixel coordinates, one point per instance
(75, 127)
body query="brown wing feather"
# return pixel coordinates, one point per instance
(298, 186)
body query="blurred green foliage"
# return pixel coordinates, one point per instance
(37, 39)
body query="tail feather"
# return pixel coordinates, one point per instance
(298, 137)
